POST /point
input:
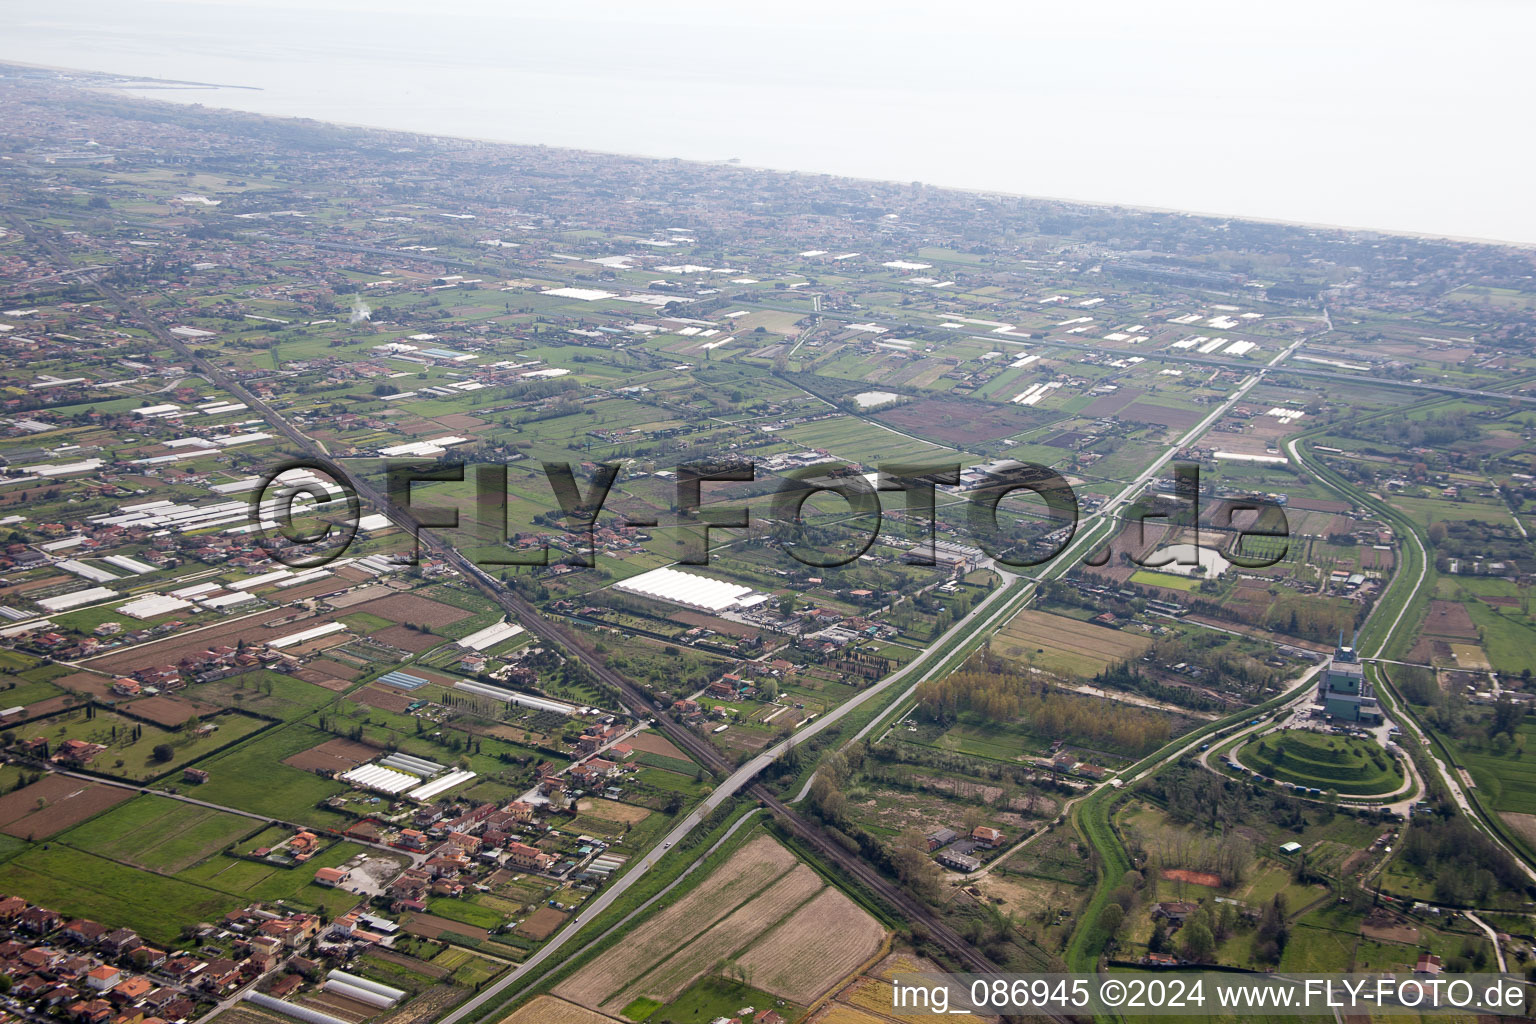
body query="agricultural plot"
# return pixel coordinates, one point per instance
(744, 875)
(726, 938)
(253, 776)
(759, 895)
(1506, 780)
(826, 940)
(160, 835)
(55, 803)
(550, 1010)
(1063, 646)
(80, 884)
(134, 750)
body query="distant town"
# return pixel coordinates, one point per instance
(284, 739)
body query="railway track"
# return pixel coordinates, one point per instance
(638, 703)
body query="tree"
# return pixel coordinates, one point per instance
(1196, 941)
(163, 752)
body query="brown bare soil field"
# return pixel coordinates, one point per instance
(746, 873)
(1449, 620)
(612, 810)
(430, 1005)
(655, 743)
(667, 980)
(308, 590)
(1192, 877)
(1390, 932)
(1318, 505)
(460, 421)
(330, 682)
(549, 1010)
(93, 683)
(382, 698)
(541, 924)
(1375, 558)
(334, 668)
(431, 927)
(421, 611)
(407, 639)
(1110, 404)
(1525, 824)
(336, 755)
(359, 596)
(947, 420)
(168, 711)
(1167, 416)
(826, 940)
(246, 1013)
(172, 649)
(337, 1005)
(319, 645)
(50, 705)
(68, 802)
(18, 589)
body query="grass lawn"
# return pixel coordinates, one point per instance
(1322, 761)
(1148, 578)
(465, 912)
(711, 997)
(135, 759)
(157, 834)
(252, 777)
(79, 884)
(1508, 780)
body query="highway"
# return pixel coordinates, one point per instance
(733, 781)
(1402, 714)
(700, 749)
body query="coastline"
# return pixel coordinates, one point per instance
(131, 86)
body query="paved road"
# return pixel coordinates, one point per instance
(588, 913)
(1493, 937)
(266, 819)
(1099, 522)
(1411, 730)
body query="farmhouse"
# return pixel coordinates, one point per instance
(1176, 912)
(940, 838)
(331, 877)
(987, 837)
(958, 861)
(77, 753)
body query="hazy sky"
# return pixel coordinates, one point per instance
(1398, 115)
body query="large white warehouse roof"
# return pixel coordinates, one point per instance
(686, 589)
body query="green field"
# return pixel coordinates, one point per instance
(1352, 767)
(1147, 578)
(1506, 781)
(157, 834)
(127, 757)
(252, 777)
